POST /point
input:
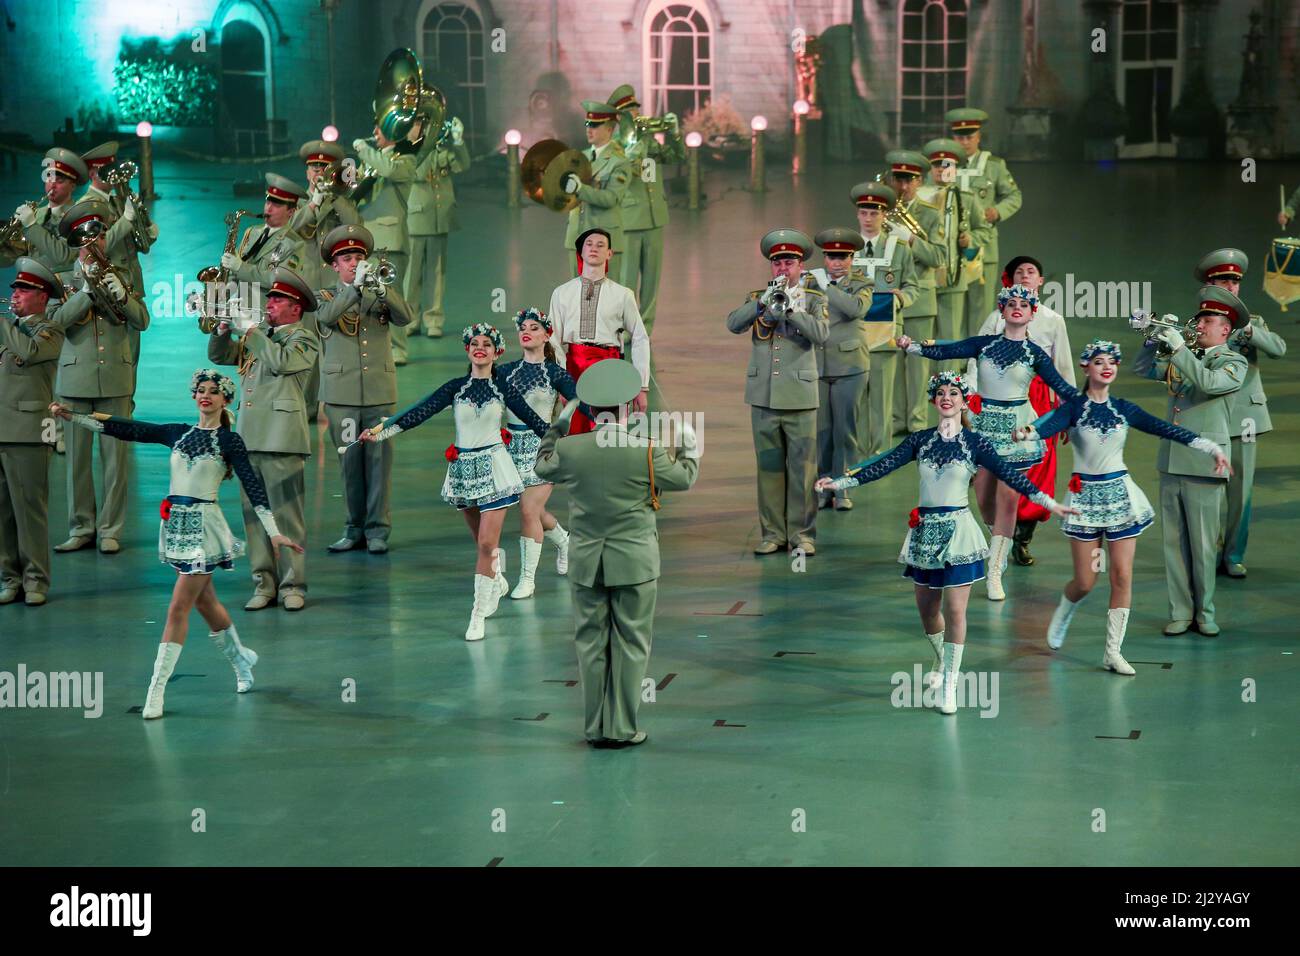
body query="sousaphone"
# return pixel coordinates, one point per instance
(542, 173)
(401, 98)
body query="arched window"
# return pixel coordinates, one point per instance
(246, 80)
(678, 47)
(932, 66)
(1148, 75)
(451, 52)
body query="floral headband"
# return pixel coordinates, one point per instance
(1100, 347)
(1017, 292)
(482, 328)
(947, 378)
(537, 315)
(223, 382)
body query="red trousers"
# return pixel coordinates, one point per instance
(577, 359)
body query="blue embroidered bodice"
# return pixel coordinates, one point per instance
(1099, 431)
(1005, 366)
(538, 383)
(479, 406)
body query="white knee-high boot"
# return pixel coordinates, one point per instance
(485, 595)
(951, 674)
(499, 567)
(530, 552)
(934, 677)
(1116, 625)
(1060, 622)
(241, 658)
(560, 538)
(998, 548)
(163, 666)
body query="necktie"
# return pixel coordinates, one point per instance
(257, 246)
(870, 251)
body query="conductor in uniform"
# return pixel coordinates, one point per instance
(613, 481)
(785, 322)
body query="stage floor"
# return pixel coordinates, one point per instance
(773, 739)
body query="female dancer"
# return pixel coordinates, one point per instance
(1109, 505)
(482, 480)
(1007, 364)
(194, 537)
(944, 550)
(539, 379)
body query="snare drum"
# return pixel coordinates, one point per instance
(1282, 271)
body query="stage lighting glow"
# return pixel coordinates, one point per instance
(144, 129)
(693, 140)
(758, 124)
(330, 134)
(513, 137)
(801, 107)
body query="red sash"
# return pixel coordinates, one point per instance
(1043, 474)
(579, 357)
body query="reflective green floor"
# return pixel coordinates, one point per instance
(444, 739)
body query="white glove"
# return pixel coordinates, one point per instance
(26, 215)
(153, 230)
(358, 144)
(903, 233)
(1172, 339)
(230, 261)
(128, 210)
(114, 286)
(690, 442)
(571, 183)
(316, 196)
(364, 268)
(822, 279)
(244, 321)
(672, 118)
(457, 132)
(562, 420)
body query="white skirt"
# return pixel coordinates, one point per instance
(482, 477)
(997, 422)
(195, 539)
(1111, 505)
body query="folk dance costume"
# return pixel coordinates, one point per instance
(194, 537)
(480, 471)
(944, 547)
(1110, 504)
(538, 383)
(1006, 367)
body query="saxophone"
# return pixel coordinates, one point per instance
(217, 274)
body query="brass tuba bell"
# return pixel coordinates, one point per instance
(543, 169)
(401, 98)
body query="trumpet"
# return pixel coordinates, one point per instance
(1146, 322)
(898, 217)
(778, 303)
(655, 124)
(378, 280)
(119, 177)
(7, 309)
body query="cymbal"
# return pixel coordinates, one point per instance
(543, 168)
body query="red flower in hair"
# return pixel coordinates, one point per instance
(1076, 484)
(914, 518)
(451, 454)
(505, 436)
(165, 509)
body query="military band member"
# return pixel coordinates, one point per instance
(430, 218)
(600, 203)
(275, 365)
(1049, 333)
(886, 262)
(1288, 211)
(1248, 416)
(613, 485)
(843, 360)
(96, 374)
(384, 212)
(906, 172)
(328, 206)
(62, 171)
(1201, 379)
(954, 235)
(592, 314)
(986, 178)
(645, 207)
(781, 390)
(29, 350)
(273, 243)
(359, 380)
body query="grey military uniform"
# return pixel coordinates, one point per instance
(96, 374)
(430, 217)
(887, 264)
(911, 407)
(781, 390)
(843, 365)
(985, 181)
(359, 389)
(385, 216)
(260, 256)
(1191, 494)
(1247, 415)
(312, 224)
(601, 203)
(29, 353)
(275, 366)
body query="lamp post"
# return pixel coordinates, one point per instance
(757, 167)
(801, 108)
(144, 133)
(329, 6)
(512, 139)
(693, 141)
